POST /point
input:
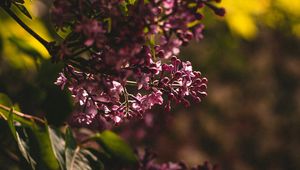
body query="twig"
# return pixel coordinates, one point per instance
(26, 116)
(26, 27)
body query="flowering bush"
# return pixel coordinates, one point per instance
(120, 60)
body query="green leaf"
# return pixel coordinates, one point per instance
(17, 107)
(78, 158)
(70, 140)
(131, 2)
(46, 156)
(24, 47)
(45, 150)
(18, 1)
(23, 9)
(5, 100)
(22, 140)
(58, 145)
(39, 156)
(124, 5)
(116, 147)
(109, 23)
(11, 125)
(23, 144)
(1, 44)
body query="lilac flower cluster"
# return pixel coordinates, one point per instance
(116, 44)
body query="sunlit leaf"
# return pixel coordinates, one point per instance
(25, 47)
(14, 55)
(131, 2)
(23, 9)
(125, 4)
(116, 147)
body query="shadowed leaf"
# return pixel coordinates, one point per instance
(78, 158)
(18, 1)
(58, 145)
(22, 141)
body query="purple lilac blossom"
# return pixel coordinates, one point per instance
(113, 45)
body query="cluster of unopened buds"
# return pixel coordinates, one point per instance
(121, 56)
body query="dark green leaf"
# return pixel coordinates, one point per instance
(78, 158)
(39, 156)
(46, 152)
(58, 145)
(18, 1)
(70, 141)
(22, 142)
(23, 9)
(116, 147)
(1, 44)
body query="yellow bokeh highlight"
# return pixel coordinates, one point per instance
(296, 30)
(243, 25)
(245, 6)
(13, 29)
(273, 18)
(240, 15)
(291, 6)
(18, 59)
(9, 29)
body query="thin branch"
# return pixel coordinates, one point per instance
(80, 51)
(26, 27)
(11, 156)
(90, 138)
(26, 116)
(131, 83)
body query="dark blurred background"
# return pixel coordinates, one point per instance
(250, 119)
